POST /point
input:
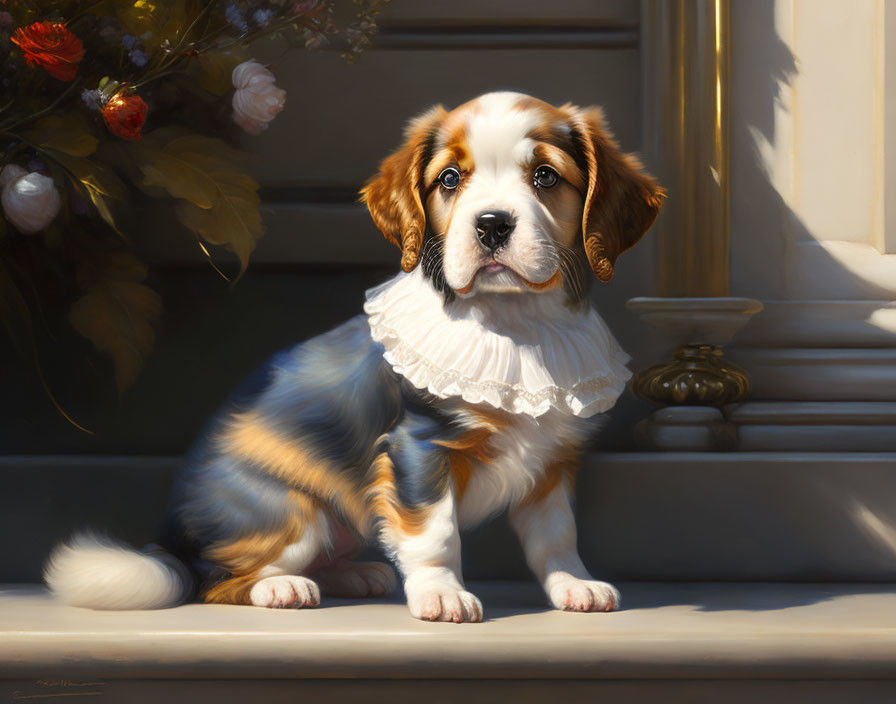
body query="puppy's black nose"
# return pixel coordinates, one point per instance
(493, 228)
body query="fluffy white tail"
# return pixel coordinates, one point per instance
(99, 573)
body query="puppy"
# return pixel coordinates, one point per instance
(468, 386)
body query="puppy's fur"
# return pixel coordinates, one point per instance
(328, 446)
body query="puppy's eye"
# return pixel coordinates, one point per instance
(450, 178)
(546, 177)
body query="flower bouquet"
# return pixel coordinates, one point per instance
(107, 105)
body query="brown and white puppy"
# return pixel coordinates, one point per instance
(469, 387)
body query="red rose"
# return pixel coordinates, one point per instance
(52, 46)
(124, 115)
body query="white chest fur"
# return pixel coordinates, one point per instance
(522, 451)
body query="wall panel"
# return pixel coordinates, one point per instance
(341, 119)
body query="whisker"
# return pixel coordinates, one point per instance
(431, 263)
(571, 266)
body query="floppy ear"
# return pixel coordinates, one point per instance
(621, 201)
(394, 195)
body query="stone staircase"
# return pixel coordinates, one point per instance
(673, 642)
(744, 575)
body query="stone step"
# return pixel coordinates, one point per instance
(835, 374)
(854, 413)
(762, 516)
(829, 426)
(671, 642)
(821, 324)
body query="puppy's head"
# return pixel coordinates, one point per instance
(509, 194)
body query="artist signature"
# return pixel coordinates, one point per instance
(70, 688)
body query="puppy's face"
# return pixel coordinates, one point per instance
(509, 194)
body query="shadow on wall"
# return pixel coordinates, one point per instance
(769, 255)
(764, 229)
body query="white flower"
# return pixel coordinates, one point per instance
(30, 201)
(10, 172)
(257, 100)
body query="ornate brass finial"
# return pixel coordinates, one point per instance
(698, 376)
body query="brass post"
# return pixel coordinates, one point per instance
(685, 52)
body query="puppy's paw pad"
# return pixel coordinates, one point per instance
(285, 592)
(445, 604)
(571, 594)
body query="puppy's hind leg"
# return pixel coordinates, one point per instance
(342, 577)
(258, 580)
(349, 579)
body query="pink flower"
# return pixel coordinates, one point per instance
(256, 100)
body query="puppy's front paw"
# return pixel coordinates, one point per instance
(571, 594)
(285, 592)
(444, 603)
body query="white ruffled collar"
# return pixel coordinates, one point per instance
(538, 356)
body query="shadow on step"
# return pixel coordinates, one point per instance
(741, 596)
(510, 598)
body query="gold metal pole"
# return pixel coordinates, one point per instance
(685, 52)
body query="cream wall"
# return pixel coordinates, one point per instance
(809, 100)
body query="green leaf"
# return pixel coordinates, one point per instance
(100, 183)
(116, 314)
(69, 134)
(217, 201)
(174, 166)
(235, 224)
(232, 221)
(164, 19)
(215, 68)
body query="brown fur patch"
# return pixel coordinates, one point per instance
(455, 155)
(466, 450)
(384, 500)
(548, 112)
(563, 162)
(554, 282)
(249, 439)
(470, 447)
(394, 196)
(452, 146)
(246, 556)
(460, 467)
(562, 468)
(556, 130)
(621, 202)
(232, 591)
